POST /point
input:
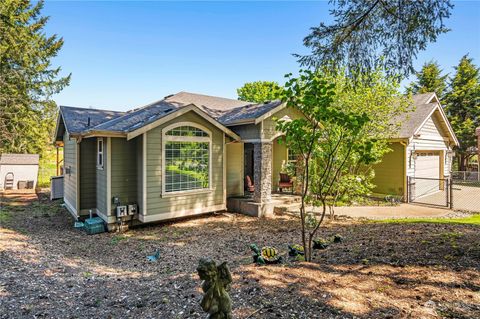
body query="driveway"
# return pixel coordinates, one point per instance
(465, 197)
(400, 211)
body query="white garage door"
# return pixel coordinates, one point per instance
(427, 173)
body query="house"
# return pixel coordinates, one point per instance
(422, 152)
(18, 171)
(180, 156)
(187, 153)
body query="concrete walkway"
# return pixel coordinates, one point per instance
(386, 212)
(400, 211)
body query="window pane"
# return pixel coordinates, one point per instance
(186, 165)
(187, 131)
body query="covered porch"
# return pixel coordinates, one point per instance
(266, 177)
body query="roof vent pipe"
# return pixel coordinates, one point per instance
(88, 122)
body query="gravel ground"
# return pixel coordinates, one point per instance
(50, 270)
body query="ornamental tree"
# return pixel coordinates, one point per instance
(259, 91)
(341, 135)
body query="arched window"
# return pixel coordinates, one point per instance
(186, 158)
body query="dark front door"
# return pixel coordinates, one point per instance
(248, 153)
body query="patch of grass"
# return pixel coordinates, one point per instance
(4, 216)
(471, 220)
(117, 238)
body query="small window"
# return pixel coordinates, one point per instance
(292, 156)
(100, 156)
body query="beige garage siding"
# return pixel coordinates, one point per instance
(389, 174)
(429, 138)
(159, 207)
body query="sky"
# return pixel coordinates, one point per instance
(123, 55)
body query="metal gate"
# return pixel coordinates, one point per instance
(430, 191)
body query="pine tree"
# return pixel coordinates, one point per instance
(27, 78)
(430, 79)
(366, 34)
(463, 107)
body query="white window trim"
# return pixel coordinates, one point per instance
(170, 138)
(101, 166)
(288, 157)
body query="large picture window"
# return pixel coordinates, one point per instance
(186, 158)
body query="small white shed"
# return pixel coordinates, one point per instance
(18, 171)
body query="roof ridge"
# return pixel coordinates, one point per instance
(207, 95)
(89, 108)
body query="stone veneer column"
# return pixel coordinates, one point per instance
(262, 172)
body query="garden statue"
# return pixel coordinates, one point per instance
(216, 283)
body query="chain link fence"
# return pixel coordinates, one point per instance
(460, 192)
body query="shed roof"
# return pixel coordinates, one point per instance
(19, 159)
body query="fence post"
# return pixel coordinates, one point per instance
(408, 189)
(451, 192)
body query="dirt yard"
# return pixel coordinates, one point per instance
(380, 270)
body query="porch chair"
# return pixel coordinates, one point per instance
(285, 182)
(250, 185)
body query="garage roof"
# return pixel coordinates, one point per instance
(19, 159)
(426, 105)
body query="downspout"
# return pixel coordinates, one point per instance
(405, 161)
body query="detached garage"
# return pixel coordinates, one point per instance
(421, 152)
(18, 171)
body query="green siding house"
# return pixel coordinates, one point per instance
(188, 153)
(183, 155)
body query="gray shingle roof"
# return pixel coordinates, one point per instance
(76, 118)
(411, 121)
(19, 159)
(210, 102)
(424, 98)
(137, 118)
(226, 111)
(248, 112)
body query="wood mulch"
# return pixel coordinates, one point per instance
(50, 270)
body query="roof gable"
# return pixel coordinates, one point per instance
(426, 105)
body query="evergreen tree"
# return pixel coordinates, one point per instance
(27, 78)
(430, 79)
(463, 107)
(259, 91)
(366, 33)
